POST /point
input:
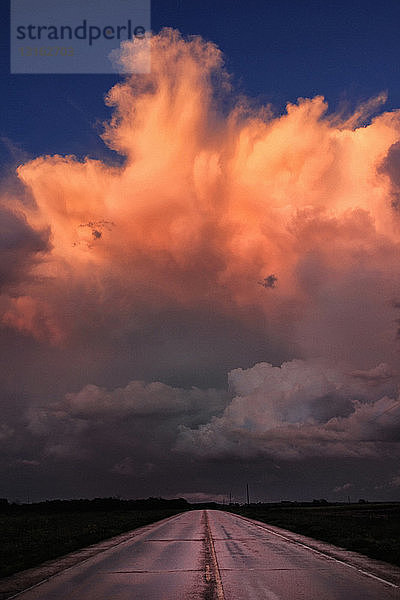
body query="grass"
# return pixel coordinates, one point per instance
(370, 529)
(28, 539)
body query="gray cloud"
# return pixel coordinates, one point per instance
(343, 488)
(299, 410)
(390, 166)
(269, 282)
(376, 375)
(20, 247)
(137, 421)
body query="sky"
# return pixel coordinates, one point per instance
(199, 267)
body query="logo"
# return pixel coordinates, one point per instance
(78, 36)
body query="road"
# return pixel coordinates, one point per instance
(210, 555)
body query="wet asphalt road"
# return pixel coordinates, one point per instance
(210, 555)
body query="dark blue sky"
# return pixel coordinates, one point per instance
(276, 50)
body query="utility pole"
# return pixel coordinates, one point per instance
(247, 494)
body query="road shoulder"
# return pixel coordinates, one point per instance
(371, 567)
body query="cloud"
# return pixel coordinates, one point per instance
(21, 248)
(29, 463)
(395, 481)
(390, 167)
(81, 424)
(376, 375)
(165, 269)
(343, 488)
(6, 432)
(298, 410)
(202, 497)
(125, 467)
(269, 282)
(208, 200)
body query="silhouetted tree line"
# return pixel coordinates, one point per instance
(96, 504)
(117, 504)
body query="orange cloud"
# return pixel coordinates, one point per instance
(210, 202)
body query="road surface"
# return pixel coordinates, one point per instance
(211, 555)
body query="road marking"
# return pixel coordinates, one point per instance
(175, 540)
(159, 572)
(265, 569)
(342, 562)
(215, 568)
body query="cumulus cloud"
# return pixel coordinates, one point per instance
(298, 410)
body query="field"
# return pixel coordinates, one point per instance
(371, 529)
(30, 538)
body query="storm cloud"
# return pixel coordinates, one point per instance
(232, 242)
(300, 410)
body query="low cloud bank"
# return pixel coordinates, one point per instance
(302, 409)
